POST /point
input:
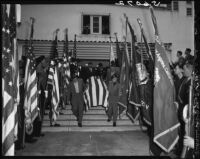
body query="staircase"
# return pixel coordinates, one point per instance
(95, 119)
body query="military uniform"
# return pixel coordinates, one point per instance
(114, 92)
(76, 89)
(20, 143)
(183, 99)
(42, 80)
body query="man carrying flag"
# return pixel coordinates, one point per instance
(31, 92)
(165, 118)
(53, 85)
(54, 93)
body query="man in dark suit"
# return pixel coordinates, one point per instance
(76, 89)
(42, 81)
(188, 56)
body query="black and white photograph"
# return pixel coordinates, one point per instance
(101, 79)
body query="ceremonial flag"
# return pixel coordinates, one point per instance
(112, 55)
(51, 73)
(66, 53)
(146, 86)
(75, 49)
(96, 94)
(55, 46)
(66, 64)
(8, 112)
(15, 61)
(164, 112)
(134, 96)
(30, 80)
(55, 95)
(119, 54)
(124, 82)
(66, 69)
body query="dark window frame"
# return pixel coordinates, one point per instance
(103, 30)
(189, 11)
(175, 6)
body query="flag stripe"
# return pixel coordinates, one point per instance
(8, 146)
(100, 92)
(96, 93)
(8, 126)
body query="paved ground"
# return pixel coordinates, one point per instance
(130, 143)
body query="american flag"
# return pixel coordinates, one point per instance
(55, 94)
(66, 64)
(30, 102)
(12, 28)
(66, 69)
(53, 80)
(51, 72)
(96, 94)
(74, 51)
(8, 96)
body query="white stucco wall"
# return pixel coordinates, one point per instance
(174, 27)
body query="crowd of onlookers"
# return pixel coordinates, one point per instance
(182, 71)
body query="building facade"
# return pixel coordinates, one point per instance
(95, 23)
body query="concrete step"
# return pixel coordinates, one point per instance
(92, 129)
(91, 123)
(97, 107)
(85, 116)
(92, 111)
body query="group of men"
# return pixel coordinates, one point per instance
(71, 93)
(183, 74)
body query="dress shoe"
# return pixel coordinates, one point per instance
(31, 140)
(61, 113)
(108, 120)
(114, 123)
(42, 134)
(80, 124)
(56, 125)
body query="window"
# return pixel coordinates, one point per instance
(169, 6)
(188, 2)
(86, 24)
(96, 24)
(189, 12)
(175, 5)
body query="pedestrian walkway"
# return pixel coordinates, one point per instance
(126, 143)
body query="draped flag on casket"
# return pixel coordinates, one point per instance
(96, 93)
(166, 122)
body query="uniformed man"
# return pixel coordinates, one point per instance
(183, 100)
(76, 89)
(41, 70)
(20, 143)
(114, 93)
